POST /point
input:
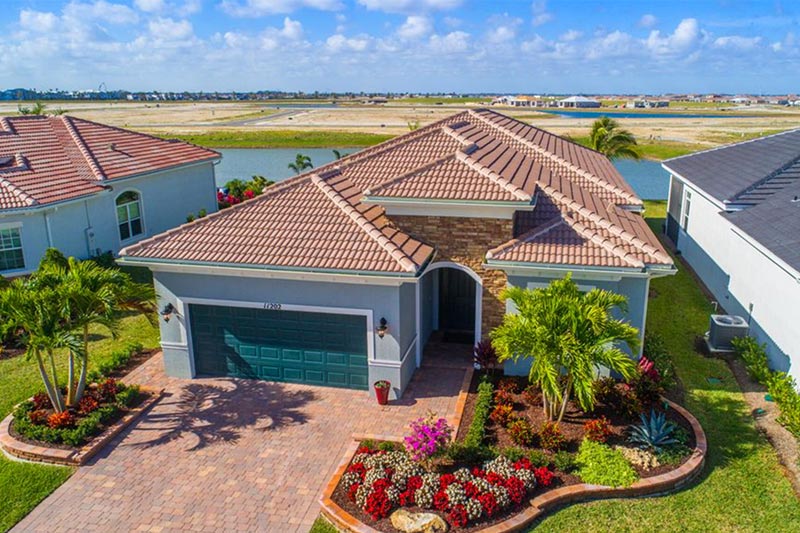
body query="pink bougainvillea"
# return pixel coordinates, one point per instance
(428, 438)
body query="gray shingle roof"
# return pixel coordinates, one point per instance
(728, 172)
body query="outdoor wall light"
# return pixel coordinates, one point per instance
(166, 313)
(383, 328)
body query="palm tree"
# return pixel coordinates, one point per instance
(568, 335)
(37, 109)
(338, 155)
(301, 163)
(608, 138)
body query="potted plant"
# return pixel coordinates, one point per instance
(382, 387)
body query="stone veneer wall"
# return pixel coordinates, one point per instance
(465, 241)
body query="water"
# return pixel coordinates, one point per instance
(647, 178)
(623, 114)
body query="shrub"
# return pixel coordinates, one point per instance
(61, 420)
(509, 385)
(550, 436)
(109, 389)
(503, 397)
(538, 458)
(653, 433)
(460, 452)
(483, 404)
(41, 401)
(521, 432)
(38, 416)
(597, 429)
(115, 361)
(754, 356)
(605, 391)
(531, 395)
(502, 415)
(599, 464)
(673, 455)
(485, 355)
(544, 477)
(130, 397)
(564, 461)
(783, 389)
(88, 404)
(512, 453)
(646, 390)
(656, 351)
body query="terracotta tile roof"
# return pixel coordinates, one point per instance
(61, 158)
(321, 221)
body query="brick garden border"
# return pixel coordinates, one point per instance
(552, 499)
(73, 456)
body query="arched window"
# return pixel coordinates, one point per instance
(129, 215)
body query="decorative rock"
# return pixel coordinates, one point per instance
(407, 522)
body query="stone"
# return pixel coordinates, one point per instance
(407, 522)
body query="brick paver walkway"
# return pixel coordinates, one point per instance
(229, 455)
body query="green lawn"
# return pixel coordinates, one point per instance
(24, 485)
(282, 139)
(658, 150)
(742, 487)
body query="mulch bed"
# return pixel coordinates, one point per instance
(10, 353)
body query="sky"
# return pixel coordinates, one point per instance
(464, 46)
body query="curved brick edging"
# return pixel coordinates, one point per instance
(656, 485)
(72, 456)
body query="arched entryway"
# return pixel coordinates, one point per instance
(450, 297)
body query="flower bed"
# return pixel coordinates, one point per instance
(35, 422)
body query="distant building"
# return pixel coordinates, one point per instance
(578, 101)
(646, 104)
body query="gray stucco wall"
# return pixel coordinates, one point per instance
(427, 305)
(635, 289)
(396, 304)
(167, 198)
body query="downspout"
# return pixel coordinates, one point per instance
(49, 230)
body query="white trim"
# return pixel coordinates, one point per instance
(418, 313)
(265, 273)
(174, 345)
(401, 362)
(186, 333)
(10, 225)
(442, 209)
(577, 274)
(366, 313)
(701, 192)
(644, 317)
(478, 291)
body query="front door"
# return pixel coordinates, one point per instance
(456, 301)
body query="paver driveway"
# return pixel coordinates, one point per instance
(229, 455)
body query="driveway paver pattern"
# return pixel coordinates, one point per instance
(229, 454)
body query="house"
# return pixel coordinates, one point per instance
(341, 276)
(578, 101)
(86, 188)
(734, 213)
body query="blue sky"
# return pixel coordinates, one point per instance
(504, 46)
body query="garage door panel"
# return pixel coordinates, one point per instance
(298, 347)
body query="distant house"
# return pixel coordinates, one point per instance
(86, 188)
(734, 213)
(578, 101)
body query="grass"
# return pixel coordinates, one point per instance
(742, 487)
(282, 139)
(24, 485)
(322, 526)
(656, 150)
(434, 100)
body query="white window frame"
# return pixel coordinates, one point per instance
(14, 226)
(139, 201)
(686, 206)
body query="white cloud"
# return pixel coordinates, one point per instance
(149, 6)
(452, 22)
(37, 21)
(100, 11)
(648, 21)
(415, 27)
(168, 29)
(453, 42)
(259, 8)
(571, 35)
(340, 43)
(615, 44)
(686, 35)
(502, 28)
(410, 6)
(540, 13)
(737, 42)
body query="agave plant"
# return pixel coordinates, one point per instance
(654, 432)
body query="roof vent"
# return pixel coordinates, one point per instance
(796, 199)
(7, 161)
(112, 147)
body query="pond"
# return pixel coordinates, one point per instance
(647, 178)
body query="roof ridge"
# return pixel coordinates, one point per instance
(400, 177)
(493, 176)
(560, 160)
(361, 221)
(84, 149)
(731, 145)
(19, 193)
(594, 237)
(525, 237)
(7, 126)
(602, 222)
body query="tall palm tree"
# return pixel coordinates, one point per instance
(610, 139)
(568, 335)
(301, 163)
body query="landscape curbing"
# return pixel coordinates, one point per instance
(552, 499)
(72, 456)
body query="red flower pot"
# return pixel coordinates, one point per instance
(382, 388)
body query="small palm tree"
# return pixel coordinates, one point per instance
(37, 109)
(338, 155)
(301, 163)
(608, 138)
(567, 335)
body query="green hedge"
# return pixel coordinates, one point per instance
(472, 449)
(116, 360)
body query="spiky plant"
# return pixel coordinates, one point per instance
(654, 433)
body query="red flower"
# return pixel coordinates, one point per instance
(220, 196)
(381, 485)
(359, 469)
(407, 498)
(495, 479)
(249, 194)
(489, 503)
(365, 449)
(477, 472)
(351, 492)
(516, 489)
(378, 505)
(389, 471)
(544, 477)
(446, 480)
(471, 490)
(457, 516)
(441, 501)
(523, 464)
(414, 482)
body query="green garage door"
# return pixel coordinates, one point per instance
(315, 348)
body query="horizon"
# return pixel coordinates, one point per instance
(402, 46)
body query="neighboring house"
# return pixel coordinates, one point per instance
(734, 213)
(578, 101)
(86, 188)
(342, 275)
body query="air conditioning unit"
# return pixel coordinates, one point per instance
(723, 329)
